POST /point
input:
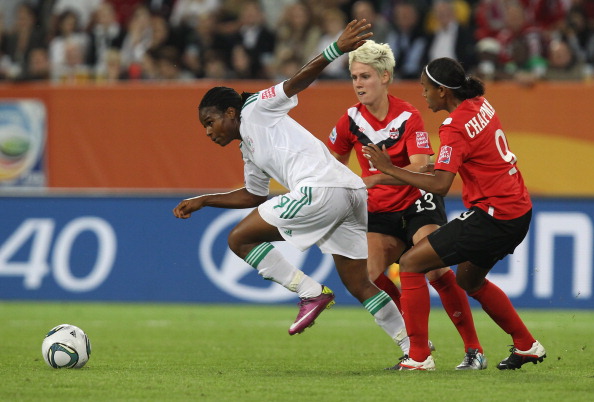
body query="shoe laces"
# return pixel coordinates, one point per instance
(470, 356)
(305, 302)
(302, 302)
(514, 359)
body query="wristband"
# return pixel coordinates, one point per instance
(332, 52)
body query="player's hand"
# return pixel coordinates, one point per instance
(185, 208)
(352, 37)
(379, 158)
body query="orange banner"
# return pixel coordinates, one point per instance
(147, 136)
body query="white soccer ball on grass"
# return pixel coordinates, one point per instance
(66, 346)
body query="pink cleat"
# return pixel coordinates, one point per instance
(310, 309)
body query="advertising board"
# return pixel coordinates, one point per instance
(131, 248)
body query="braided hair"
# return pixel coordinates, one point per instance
(449, 73)
(223, 98)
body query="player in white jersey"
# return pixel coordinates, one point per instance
(326, 203)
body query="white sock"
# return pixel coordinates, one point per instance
(271, 265)
(387, 316)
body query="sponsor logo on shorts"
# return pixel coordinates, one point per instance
(422, 139)
(445, 154)
(269, 93)
(464, 215)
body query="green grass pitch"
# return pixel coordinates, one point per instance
(201, 352)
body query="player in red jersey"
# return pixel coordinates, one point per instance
(473, 144)
(399, 216)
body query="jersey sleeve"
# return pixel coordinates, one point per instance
(452, 151)
(256, 181)
(417, 139)
(340, 138)
(269, 106)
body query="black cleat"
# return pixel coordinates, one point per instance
(519, 357)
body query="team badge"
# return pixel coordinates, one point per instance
(249, 142)
(422, 139)
(394, 133)
(269, 93)
(445, 154)
(333, 135)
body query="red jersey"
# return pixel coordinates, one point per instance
(402, 132)
(474, 145)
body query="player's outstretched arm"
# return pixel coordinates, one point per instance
(235, 199)
(350, 39)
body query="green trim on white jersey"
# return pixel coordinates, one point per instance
(251, 99)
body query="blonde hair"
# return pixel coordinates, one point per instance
(377, 55)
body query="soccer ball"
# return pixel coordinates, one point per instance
(66, 346)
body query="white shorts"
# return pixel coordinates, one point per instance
(333, 218)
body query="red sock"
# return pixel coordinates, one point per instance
(500, 309)
(415, 307)
(455, 303)
(386, 284)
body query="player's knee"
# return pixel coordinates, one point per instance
(235, 242)
(434, 275)
(462, 282)
(374, 271)
(468, 283)
(406, 263)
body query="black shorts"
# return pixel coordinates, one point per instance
(477, 237)
(429, 209)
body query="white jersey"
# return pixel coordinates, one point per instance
(276, 146)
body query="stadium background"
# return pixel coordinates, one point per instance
(90, 218)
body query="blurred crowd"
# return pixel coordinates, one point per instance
(76, 41)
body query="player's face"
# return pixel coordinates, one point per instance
(370, 87)
(221, 127)
(432, 94)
